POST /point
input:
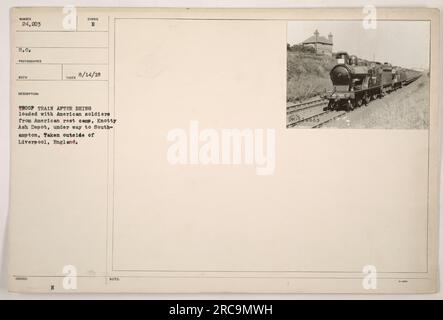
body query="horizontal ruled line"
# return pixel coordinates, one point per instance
(227, 277)
(68, 63)
(25, 80)
(60, 31)
(61, 47)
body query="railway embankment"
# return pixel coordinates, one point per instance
(307, 75)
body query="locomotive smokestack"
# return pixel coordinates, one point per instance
(330, 37)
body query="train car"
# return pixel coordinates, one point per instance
(386, 78)
(398, 78)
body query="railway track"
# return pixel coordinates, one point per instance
(292, 108)
(310, 114)
(315, 120)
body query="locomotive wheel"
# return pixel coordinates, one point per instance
(366, 100)
(359, 103)
(349, 106)
(330, 106)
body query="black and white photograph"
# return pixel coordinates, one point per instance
(351, 74)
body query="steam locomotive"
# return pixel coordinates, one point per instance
(356, 81)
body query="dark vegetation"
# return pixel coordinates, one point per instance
(307, 73)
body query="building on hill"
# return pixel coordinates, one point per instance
(321, 45)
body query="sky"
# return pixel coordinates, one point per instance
(402, 43)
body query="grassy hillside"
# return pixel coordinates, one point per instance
(307, 75)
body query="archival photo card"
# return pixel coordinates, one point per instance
(150, 151)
